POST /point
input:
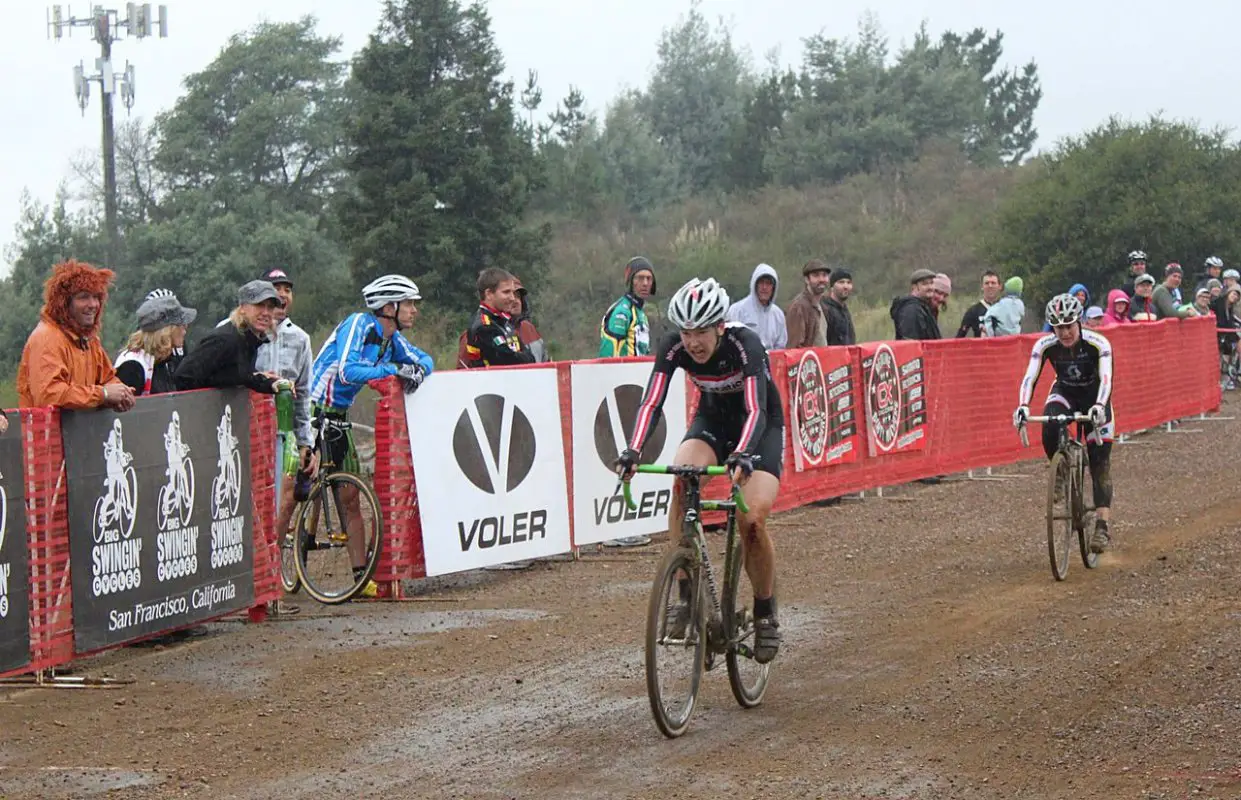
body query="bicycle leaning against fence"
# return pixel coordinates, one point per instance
(1067, 512)
(337, 530)
(718, 624)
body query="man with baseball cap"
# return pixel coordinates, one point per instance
(287, 353)
(912, 314)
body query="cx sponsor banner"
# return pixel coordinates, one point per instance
(489, 455)
(14, 569)
(894, 382)
(606, 398)
(823, 413)
(160, 531)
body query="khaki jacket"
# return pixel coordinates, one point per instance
(806, 325)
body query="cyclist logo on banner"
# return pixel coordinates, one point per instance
(116, 508)
(226, 488)
(896, 409)
(176, 497)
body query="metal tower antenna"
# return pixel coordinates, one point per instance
(105, 25)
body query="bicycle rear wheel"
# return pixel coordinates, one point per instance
(747, 678)
(289, 580)
(324, 533)
(1084, 532)
(672, 688)
(1059, 515)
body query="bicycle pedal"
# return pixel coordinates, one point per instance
(744, 651)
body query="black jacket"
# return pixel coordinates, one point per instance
(163, 375)
(224, 358)
(492, 341)
(971, 322)
(913, 318)
(839, 322)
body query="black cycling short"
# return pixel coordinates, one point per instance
(769, 453)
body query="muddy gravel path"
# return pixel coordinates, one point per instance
(928, 654)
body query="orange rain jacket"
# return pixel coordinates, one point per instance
(61, 369)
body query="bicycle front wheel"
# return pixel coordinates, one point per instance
(675, 646)
(1059, 515)
(289, 581)
(1084, 531)
(337, 548)
(747, 677)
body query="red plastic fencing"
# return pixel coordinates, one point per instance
(263, 498)
(1161, 371)
(401, 555)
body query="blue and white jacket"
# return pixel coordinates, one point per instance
(355, 354)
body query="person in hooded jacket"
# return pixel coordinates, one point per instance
(1082, 294)
(1004, 318)
(912, 314)
(1117, 312)
(758, 310)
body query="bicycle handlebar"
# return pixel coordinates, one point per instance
(1063, 419)
(684, 471)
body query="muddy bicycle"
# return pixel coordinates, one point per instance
(1067, 512)
(719, 624)
(337, 524)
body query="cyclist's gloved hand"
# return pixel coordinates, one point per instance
(740, 461)
(1098, 416)
(626, 463)
(411, 376)
(1021, 416)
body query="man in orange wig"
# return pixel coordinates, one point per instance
(64, 363)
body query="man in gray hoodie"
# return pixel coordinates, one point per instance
(758, 310)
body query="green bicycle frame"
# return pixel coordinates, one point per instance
(706, 505)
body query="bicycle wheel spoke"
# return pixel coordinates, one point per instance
(343, 540)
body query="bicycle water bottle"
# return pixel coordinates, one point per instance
(284, 423)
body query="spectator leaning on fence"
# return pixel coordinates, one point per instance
(1142, 305)
(64, 363)
(1093, 318)
(971, 322)
(1166, 296)
(912, 315)
(491, 340)
(1117, 312)
(625, 330)
(1202, 302)
(1004, 318)
(150, 359)
(226, 357)
(836, 308)
(1137, 266)
(807, 326)
(758, 310)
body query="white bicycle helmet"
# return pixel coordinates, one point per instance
(1064, 309)
(389, 289)
(1136, 256)
(698, 304)
(1215, 262)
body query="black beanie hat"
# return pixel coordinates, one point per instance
(638, 264)
(841, 274)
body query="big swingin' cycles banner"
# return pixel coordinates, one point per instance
(894, 388)
(823, 417)
(160, 528)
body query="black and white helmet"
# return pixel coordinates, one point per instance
(389, 289)
(1215, 262)
(156, 294)
(698, 304)
(1064, 309)
(1136, 256)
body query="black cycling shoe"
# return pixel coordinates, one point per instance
(766, 639)
(1101, 538)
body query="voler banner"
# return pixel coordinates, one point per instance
(489, 455)
(822, 407)
(606, 398)
(14, 567)
(894, 381)
(160, 530)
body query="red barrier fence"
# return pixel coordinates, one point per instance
(1162, 371)
(47, 527)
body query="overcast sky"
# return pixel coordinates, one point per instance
(1095, 57)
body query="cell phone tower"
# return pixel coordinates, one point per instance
(105, 25)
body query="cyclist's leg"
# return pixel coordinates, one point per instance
(1056, 404)
(699, 448)
(760, 494)
(1099, 456)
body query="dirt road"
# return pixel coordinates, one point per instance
(928, 654)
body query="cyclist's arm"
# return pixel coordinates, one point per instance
(1105, 370)
(1038, 356)
(754, 392)
(653, 400)
(405, 353)
(350, 366)
(614, 333)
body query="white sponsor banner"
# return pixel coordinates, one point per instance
(605, 407)
(489, 459)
